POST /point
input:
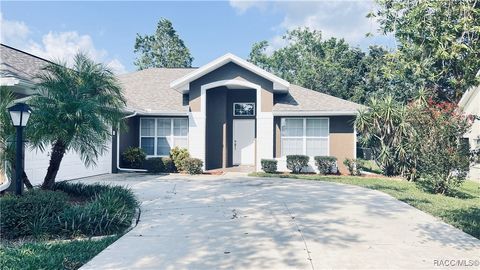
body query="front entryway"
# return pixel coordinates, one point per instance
(243, 142)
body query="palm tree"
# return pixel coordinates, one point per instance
(75, 110)
(384, 127)
(6, 129)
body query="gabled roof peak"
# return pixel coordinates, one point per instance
(182, 84)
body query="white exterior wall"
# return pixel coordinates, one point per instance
(264, 140)
(196, 135)
(72, 167)
(470, 104)
(473, 107)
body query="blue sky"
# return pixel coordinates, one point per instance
(107, 30)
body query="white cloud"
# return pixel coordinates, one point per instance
(241, 5)
(341, 19)
(58, 45)
(12, 32)
(64, 46)
(117, 66)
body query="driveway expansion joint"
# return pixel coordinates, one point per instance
(292, 219)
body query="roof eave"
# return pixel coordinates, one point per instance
(314, 113)
(182, 84)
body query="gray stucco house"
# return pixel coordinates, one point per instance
(230, 112)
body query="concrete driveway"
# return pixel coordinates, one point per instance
(237, 222)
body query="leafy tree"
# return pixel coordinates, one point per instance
(162, 49)
(442, 159)
(75, 110)
(329, 66)
(382, 78)
(438, 43)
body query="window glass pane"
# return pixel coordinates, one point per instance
(147, 127)
(244, 109)
(292, 128)
(317, 147)
(317, 127)
(180, 127)
(181, 142)
(163, 146)
(292, 146)
(147, 144)
(164, 127)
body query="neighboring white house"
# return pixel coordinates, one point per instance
(18, 70)
(470, 104)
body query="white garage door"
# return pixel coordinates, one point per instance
(36, 164)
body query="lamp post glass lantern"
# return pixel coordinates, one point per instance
(19, 113)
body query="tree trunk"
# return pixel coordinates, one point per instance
(58, 151)
(26, 181)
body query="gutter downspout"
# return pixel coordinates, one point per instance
(118, 150)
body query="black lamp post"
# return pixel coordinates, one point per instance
(19, 113)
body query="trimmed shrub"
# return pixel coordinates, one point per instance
(326, 164)
(296, 163)
(33, 214)
(94, 190)
(134, 157)
(193, 165)
(111, 211)
(90, 210)
(168, 165)
(154, 165)
(353, 166)
(178, 155)
(269, 165)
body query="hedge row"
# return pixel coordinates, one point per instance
(296, 163)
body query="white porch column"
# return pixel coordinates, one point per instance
(264, 138)
(196, 135)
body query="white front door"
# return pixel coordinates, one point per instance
(243, 142)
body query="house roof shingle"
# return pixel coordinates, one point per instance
(19, 64)
(305, 100)
(149, 91)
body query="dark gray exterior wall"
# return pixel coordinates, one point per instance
(342, 124)
(219, 124)
(231, 71)
(128, 137)
(217, 119)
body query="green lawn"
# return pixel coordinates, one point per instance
(461, 209)
(54, 255)
(370, 166)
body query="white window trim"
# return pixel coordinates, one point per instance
(155, 137)
(304, 137)
(235, 103)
